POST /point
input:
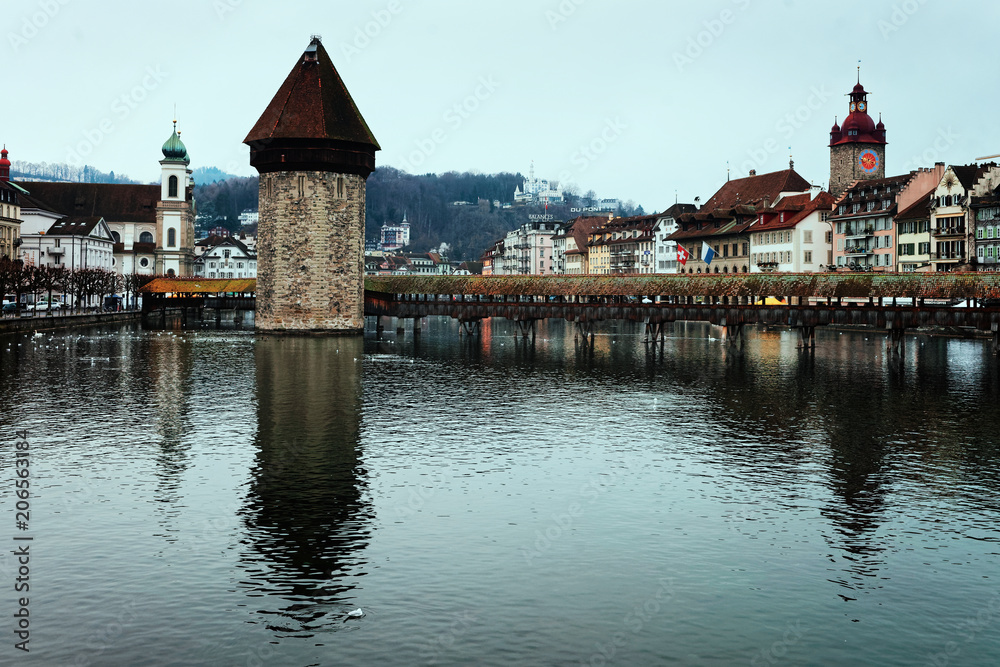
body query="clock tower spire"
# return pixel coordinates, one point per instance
(857, 148)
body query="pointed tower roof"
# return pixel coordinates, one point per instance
(312, 122)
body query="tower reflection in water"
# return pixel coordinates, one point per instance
(306, 516)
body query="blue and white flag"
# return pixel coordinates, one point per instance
(707, 254)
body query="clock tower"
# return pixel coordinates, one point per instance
(857, 148)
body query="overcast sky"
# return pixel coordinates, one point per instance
(633, 99)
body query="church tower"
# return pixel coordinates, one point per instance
(174, 216)
(857, 149)
(314, 153)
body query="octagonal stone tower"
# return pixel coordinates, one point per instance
(314, 153)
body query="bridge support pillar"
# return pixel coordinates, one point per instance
(379, 327)
(807, 337)
(524, 327)
(416, 326)
(734, 335)
(897, 340)
(470, 327)
(996, 338)
(657, 330)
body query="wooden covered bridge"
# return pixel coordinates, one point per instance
(891, 302)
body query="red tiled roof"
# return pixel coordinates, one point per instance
(798, 211)
(754, 189)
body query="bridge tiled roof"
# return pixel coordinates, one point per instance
(854, 285)
(200, 286)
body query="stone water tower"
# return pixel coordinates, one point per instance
(314, 153)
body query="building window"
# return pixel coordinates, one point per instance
(172, 186)
(117, 237)
(807, 257)
(807, 237)
(145, 237)
(171, 238)
(144, 262)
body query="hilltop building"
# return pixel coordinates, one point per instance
(536, 191)
(395, 237)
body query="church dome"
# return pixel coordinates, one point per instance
(4, 162)
(835, 128)
(858, 89)
(174, 148)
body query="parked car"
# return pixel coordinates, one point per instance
(9, 307)
(43, 306)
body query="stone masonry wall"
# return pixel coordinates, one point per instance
(844, 168)
(310, 247)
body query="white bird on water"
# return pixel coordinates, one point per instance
(357, 613)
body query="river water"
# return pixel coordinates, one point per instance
(211, 498)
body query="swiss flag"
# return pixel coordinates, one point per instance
(682, 254)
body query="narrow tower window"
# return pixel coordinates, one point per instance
(340, 187)
(270, 188)
(302, 187)
(171, 238)
(172, 187)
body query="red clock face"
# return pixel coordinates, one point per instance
(868, 161)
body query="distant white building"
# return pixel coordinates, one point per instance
(536, 191)
(395, 237)
(249, 217)
(230, 258)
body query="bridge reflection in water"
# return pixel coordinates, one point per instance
(889, 302)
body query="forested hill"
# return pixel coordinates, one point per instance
(429, 203)
(454, 208)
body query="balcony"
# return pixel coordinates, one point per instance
(945, 232)
(56, 251)
(856, 233)
(858, 251)
(948, 256)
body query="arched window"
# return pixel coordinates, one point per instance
(117, 237)
(172, 187)
(171, 238)
(145, 237)
(170, 272)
